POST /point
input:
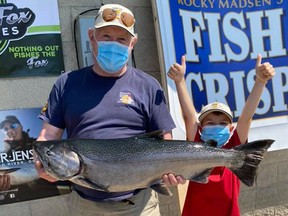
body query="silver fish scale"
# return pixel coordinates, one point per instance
(136, 149)
(116, 165)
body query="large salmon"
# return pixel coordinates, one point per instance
(116, 165)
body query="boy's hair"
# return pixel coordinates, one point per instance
(215, 107)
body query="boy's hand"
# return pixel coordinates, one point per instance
(264, 71)
(172, 180)
(177, 71)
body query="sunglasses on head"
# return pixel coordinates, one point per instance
(110, 14)
(12, 126)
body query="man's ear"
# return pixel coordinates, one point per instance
(91, 34)
(134, 41)
(231, 128)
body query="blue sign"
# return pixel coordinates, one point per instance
(221, 40)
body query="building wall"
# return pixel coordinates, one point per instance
(270, 193)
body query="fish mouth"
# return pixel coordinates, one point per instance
(40, 152)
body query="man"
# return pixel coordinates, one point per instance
(17, 140)
(108, 99)
(10, 123)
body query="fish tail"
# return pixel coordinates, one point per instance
(254, 152)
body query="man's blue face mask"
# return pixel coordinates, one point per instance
(112, 56)
(218, 133)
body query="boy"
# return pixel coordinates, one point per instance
(219, 197)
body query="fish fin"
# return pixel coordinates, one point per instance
(211, 143)
(158, 134)
(161, 188)
(6, 171)
(254, 152)
(202, 177)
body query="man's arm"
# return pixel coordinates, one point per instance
(49, 132)
(4, 182)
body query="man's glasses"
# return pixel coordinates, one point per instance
(110, 14)
(12, 126)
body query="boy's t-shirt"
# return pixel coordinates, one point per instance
(219, 197)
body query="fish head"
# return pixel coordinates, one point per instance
(58, 159)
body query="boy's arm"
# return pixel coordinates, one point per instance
(176, 73)
(264, 72)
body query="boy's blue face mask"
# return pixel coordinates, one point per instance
(112, 56)
(218, 133)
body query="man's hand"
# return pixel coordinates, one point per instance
(172, 180)
(41, 172)
(4, 182)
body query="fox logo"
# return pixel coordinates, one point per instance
(14, 23)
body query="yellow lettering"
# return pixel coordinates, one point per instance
(233, 4)
(223, 5)
(190, 2)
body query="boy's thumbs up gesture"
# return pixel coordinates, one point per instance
(177, 71)
(264, 71)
